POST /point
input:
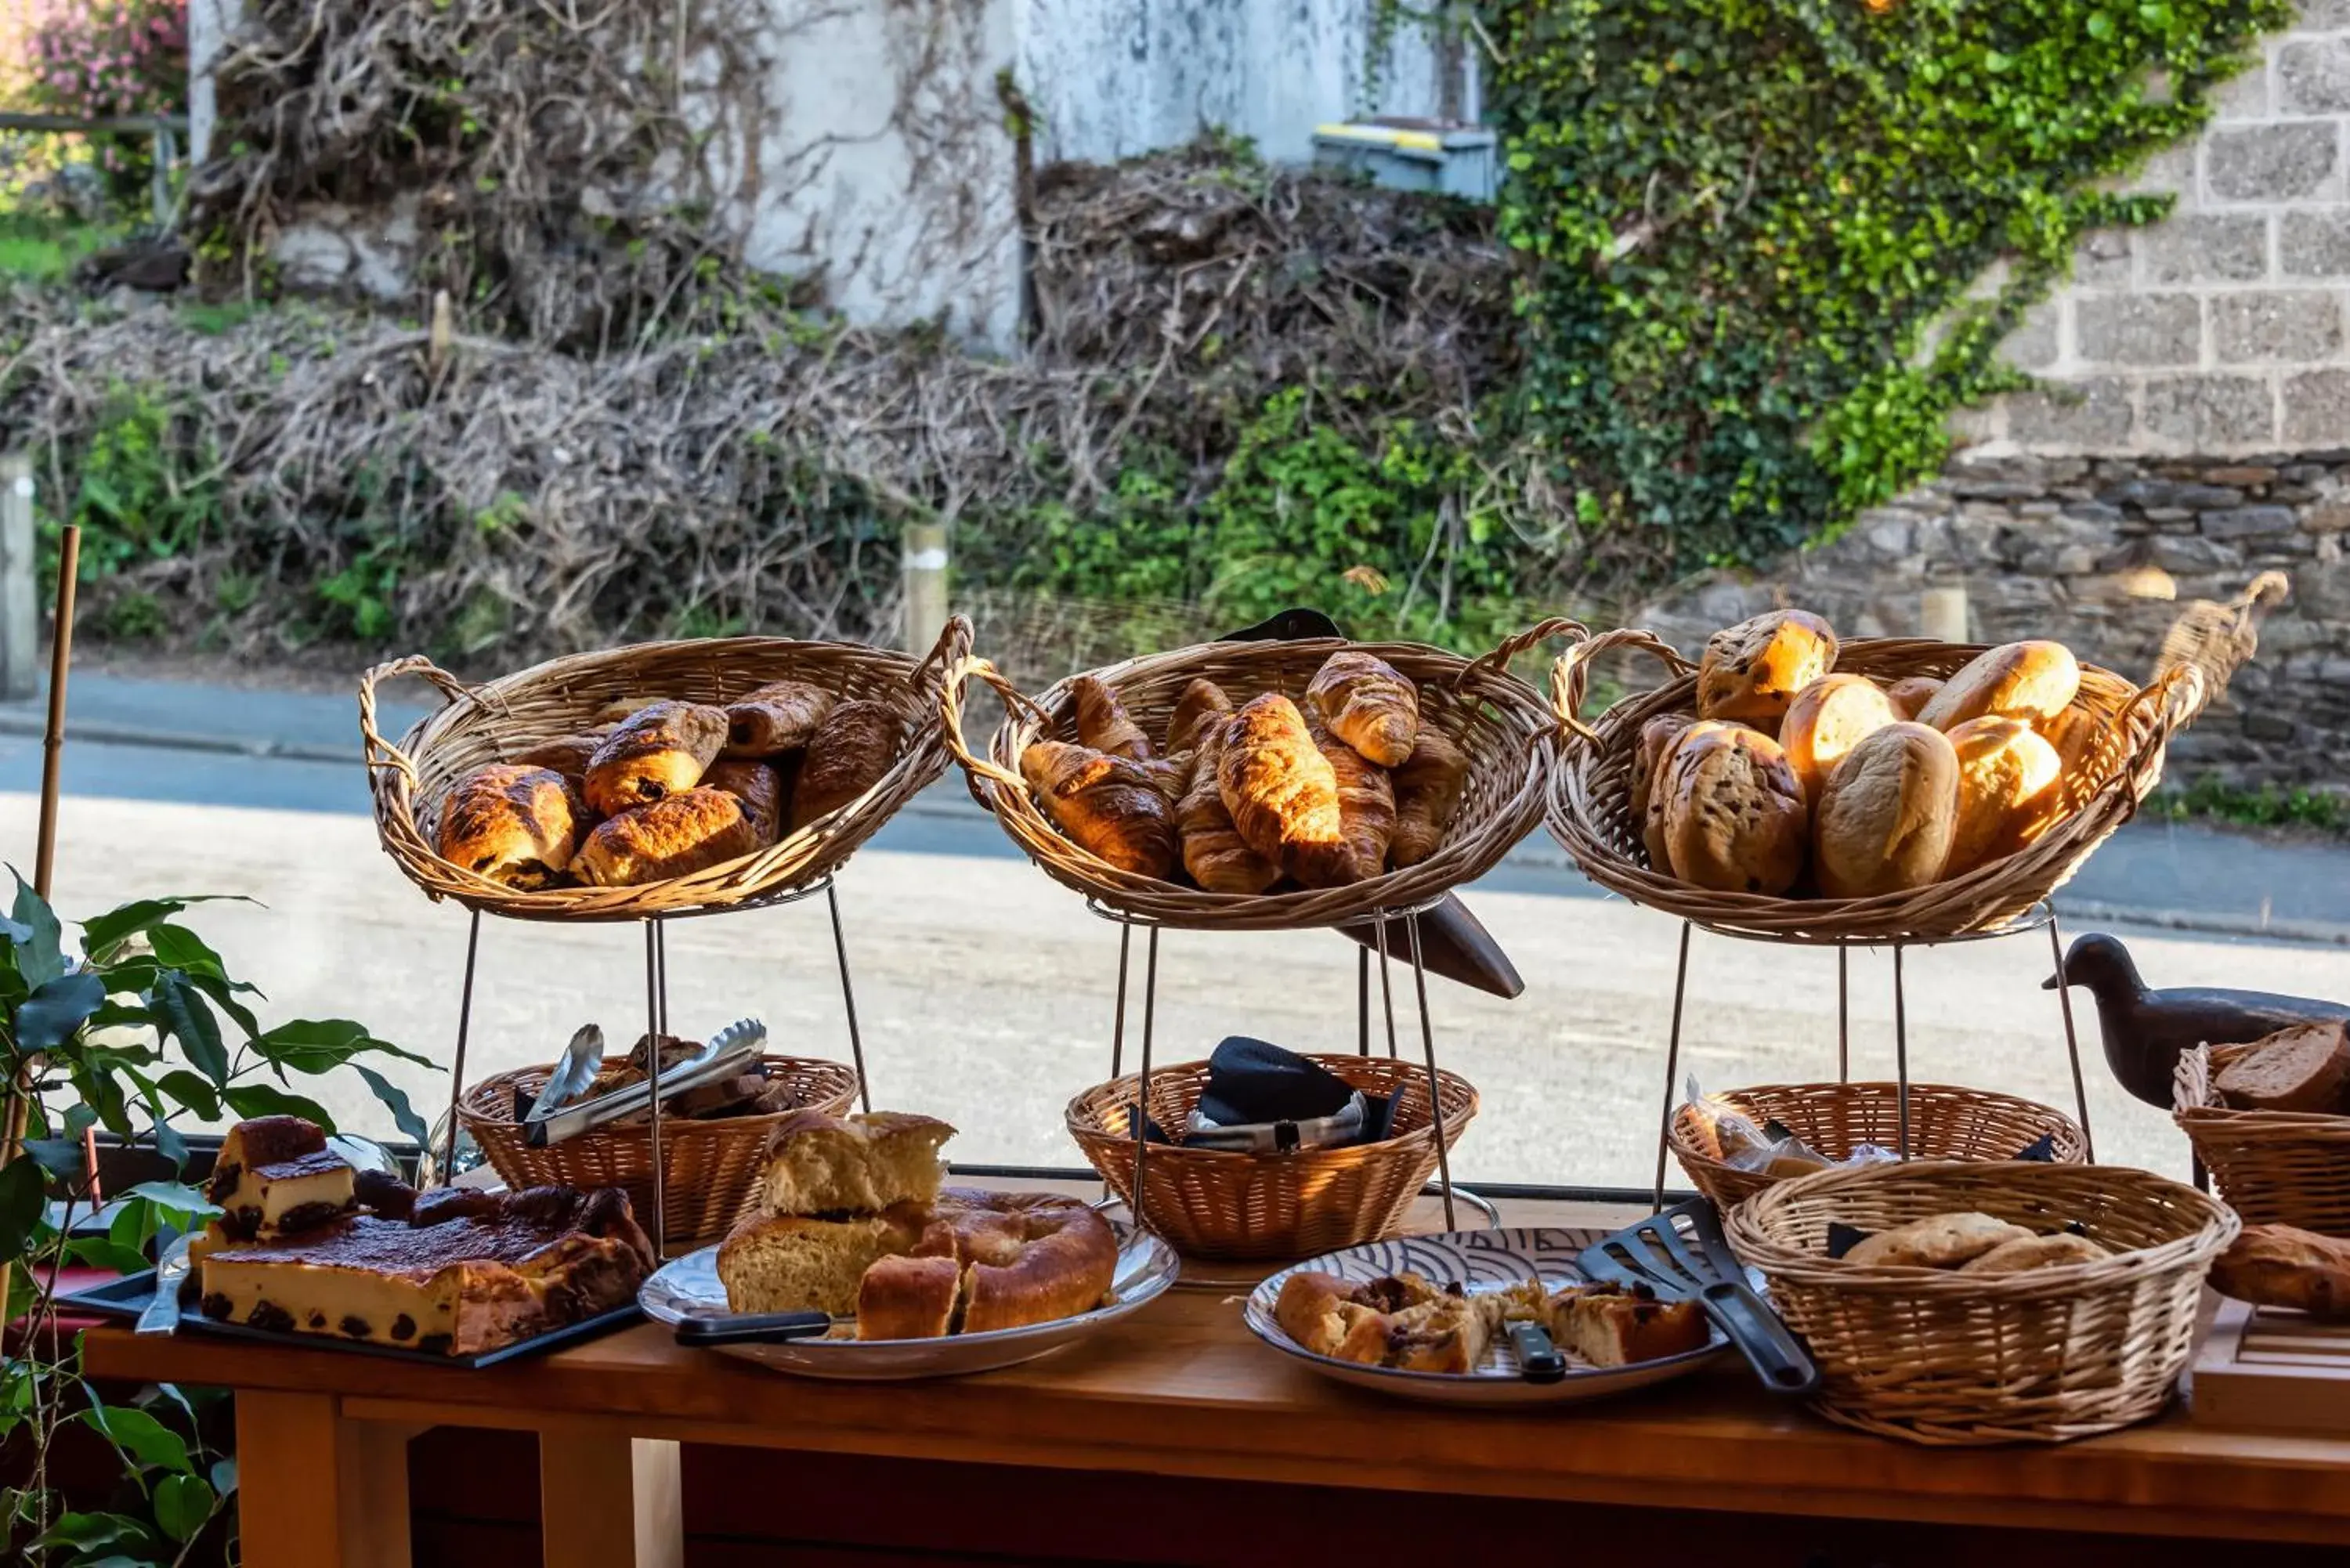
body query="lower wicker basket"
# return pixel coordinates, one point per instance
(1214, 1203)
(1949, 1357)
(2274, 1168)
(711, 1168)
(1946, 1122)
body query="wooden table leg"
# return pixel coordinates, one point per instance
(315, 1489)
(608, 1500)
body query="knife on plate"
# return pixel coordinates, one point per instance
(161, 1316)
(754, 1327)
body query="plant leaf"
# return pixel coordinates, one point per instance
(138, 1436)
(106, 931)
(22, 1191)
(57, 1009)
(314, 1046)
(183, 1505)
(173, 1198)
(105, 1252)
(404, 1115)
(268, 1100)
(97, 1531)
(225, 1475)
(40, 951)
(60, 1157)
(188, 1020)
(192, 1091)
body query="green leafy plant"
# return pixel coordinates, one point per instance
(1754, 226)
(2211, 798)
(141, 1030)
(142, 493)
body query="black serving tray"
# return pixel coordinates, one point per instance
(124, 1299)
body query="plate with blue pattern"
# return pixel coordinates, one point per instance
(1481, 1261)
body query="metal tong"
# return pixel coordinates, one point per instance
(1682, 1255)
(722, 1056)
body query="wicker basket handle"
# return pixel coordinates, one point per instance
(1571, 676)
(2190, 1081)
(958, 675)
(1533, 636)
(953, 647)
(380, 753)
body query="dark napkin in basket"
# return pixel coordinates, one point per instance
(1252, 1081)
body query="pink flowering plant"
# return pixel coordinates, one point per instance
(98, 59)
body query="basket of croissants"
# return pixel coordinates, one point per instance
(657, 778)
(1795, 785)
(1267, 785)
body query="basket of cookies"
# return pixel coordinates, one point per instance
(1795, 785)
(657, 778)
(714, 1137)
(1965, 1303)
(2271, 1120)
(1278, 1203)
(1734, 1144)
(1267, 785)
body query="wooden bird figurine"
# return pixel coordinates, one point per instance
(2145, 1032)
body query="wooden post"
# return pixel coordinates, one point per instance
(1942, 612)
(20, 622)
(925, 585)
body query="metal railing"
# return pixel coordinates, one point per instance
(166, 128)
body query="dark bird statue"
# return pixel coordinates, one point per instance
(2145, 1031)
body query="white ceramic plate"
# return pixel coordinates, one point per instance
(689, 1287)
(1480, 1260)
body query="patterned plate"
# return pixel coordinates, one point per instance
(1481, 1261)
(689, 1287)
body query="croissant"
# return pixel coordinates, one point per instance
(1201, 701)
(1171, 776)
(782, 716)
(757, 785)
(676, 835)
(1107, 805)
(660, 748)
(1212, 852)
(1367, 703)
(1366, 806)
(1104, 725)
(853, 748)
(1282, 793)
(1428, 784)
(515, 825)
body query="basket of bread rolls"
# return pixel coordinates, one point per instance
(2271, 1120)
(1965, 1303)
(1791, 784)
(1267, 785)
(1734, 1144)
(657, 778)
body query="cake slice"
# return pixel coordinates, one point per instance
(275, 1176)
(799, 1262)
(1610, 1324)
(862, 1164)
(2304, 1068)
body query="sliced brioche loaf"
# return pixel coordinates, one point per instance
(820, 1164)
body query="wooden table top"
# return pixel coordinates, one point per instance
(1183, 1388)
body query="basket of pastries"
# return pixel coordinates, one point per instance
(1267, 785)
(714, 1137)
(1791, 784)
(2271, 1120)
(1952, 1303)
(1734, 1144)
(656, 778)
(1279, 1202)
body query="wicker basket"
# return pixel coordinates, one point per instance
(1949, 1357)
(1214, 1203)
(711, 1168)
(2274, 1168)
(1501, 723)
(1946, 1122)
(483, 724)
(1590, 809)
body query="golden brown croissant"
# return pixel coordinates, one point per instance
(1367, 703)
(658, 750)
(854, 747)
(1282, 793)
(1428, 784)
(1366, 806)
(1106, 804)
(514, 825)
(780, 716)
(1171, 776)
(674, 837)
(1213, 852)
(1201, 701)
(1104, 723)
(758, 787)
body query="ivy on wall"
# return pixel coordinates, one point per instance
(1775, 243)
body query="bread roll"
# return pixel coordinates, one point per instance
(2304, 1068)
(1734, 814)
(656, 751)
(1752, 671)
(1202, 702)
(2027, 1253)
(1213, 852)
(1884, 822)
(2282, 1266)
(1428, 785)
(852, 751)
(1367, 703)
(1657, 738)
(1282, 791)
(2075, 733)
(2007, 794)
(2014, 680)
(1107, 805)
(1827, 718)
(676, 835)
(1938, 1242)
(1910, 694)
(517, 826)
(1661, 736)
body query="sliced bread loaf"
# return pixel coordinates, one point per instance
(2304, 1068)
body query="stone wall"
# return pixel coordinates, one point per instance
(2103, 554)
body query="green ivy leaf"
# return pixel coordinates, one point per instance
(183, 1505)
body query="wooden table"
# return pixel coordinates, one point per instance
(1179, 1390)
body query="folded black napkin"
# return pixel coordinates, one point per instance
(1251, 1082)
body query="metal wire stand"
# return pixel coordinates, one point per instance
(2040, 916)
(656, 1017)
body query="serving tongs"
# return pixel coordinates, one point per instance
(722, 1055)
(1681, 1255)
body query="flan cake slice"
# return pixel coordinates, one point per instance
(276, 1177)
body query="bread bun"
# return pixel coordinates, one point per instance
(1657, 738)
(2007, 793)
(1734, 814)
(1884, 822)
(2074, 733)
(1751, 671)
(2014, 680)
(1910, 694)
(1827, 718)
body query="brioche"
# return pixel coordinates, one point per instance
(1656, 739)
(658, 750)
(1885, 820)
(2026, 681)
(1367, 703)
(2007, 793)
(1752, 671)
(1827, 720)
(799, 1262)
(519, 827)
(1734, 817)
